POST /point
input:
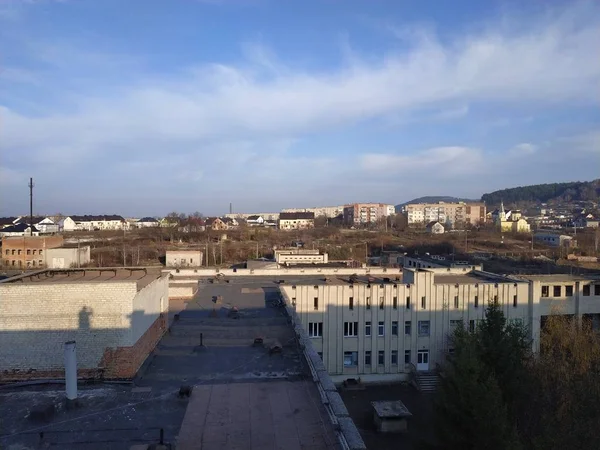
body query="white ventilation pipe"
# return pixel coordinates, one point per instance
(71, 370)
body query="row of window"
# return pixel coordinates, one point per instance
(424, 301)
(19, 263)
(315, 329)
(19, 251)
(557, 290)
(351, 358)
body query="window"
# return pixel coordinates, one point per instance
(350, 359)
(545, 291)
(407, 327)
(423, 327)
(381, 357)
(395, 302)
(368, 358)
(476, 301)
(454, 324)
(586, 290)
(19, 252)
(380, 329)
(293, 301)
(29, 251)
(13, 262)
(394, 328)
(315, 329)
(33, 263)
(406, 356)
(456, 301)
(316, 303)
(557, 291)
(7, 251)
(368, 303)
(381, 302)
(191, 260)
(569, 291)
(597, 289)
(394, 357)
(182, 260)
(350, 329)
(367, 328)
(495, 299)
(407, 302)
(423, 302)
(471, 326)
(351, 303)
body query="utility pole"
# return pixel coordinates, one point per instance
(257, 250)
(366, 254)
(221, 249)
(124, 255)
(31, 206)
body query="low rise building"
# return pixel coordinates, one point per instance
(183, 258)
(265, 216)
(254, 221)
(435, 228)
(21, 252)
(555, 239)
(147, 222)
(294, 256)
(7, 221)
(67, 257)
(92, 223)
(20, 229)
(215, 223)
(439, 262)
(296, 220)
(115, 316)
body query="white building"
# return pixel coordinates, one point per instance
(255, 220)
(67, 257)
(435, 228)
(147, 222)
(93, 223)
(183, 258)
(294, 256)
(322, 211)
(296, 221)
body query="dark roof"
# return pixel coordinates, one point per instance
(147, 219)
(89, 218)
(18, 228)
(296, 215)
(252, 217)
(7, 220)
(430, 224)
(227, 219)
(35, 219)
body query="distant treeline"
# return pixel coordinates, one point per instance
(573, 191)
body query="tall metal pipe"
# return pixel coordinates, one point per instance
(71, 370)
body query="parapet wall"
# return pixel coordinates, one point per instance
(375, 271)
(346, 430)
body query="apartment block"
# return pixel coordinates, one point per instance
(322, 211)
(452, 214)
(21, 252)
(366, 213)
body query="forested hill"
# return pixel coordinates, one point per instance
(573, 191)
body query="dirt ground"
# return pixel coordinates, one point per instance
(420, 427)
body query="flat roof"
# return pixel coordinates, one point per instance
(390, 409)
(140, 275)
(471, 278)
(558, 277)
(447, 262)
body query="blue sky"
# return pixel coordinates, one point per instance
(145, 107)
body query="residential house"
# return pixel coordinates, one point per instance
(147, 222)
(20, 229)
(8, 221)
(435, 228)
(215, 223)
(230, 222)
(296, 220)
(43, 224)
(270, 223)
(586, 221)
(254, 221)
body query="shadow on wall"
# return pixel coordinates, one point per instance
(29, 352)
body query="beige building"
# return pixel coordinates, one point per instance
(366, 213)
(294, 256)
(323, 211)
(183, 258)
(381, 330)
(296, 221)
(452, 214)
(67, 257)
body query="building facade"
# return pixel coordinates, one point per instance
(296, 221)
(64, 258)
(451, 214)
(323, 211)
(555, 239)
(183, 258)
(379, 330)
(21, 252)
(366, 213)
(294, 256)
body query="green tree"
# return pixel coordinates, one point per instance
(470, 410)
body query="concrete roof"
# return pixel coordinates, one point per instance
(557, 277)
(470, 278)
(141, 276)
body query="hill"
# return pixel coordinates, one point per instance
(543, 193)
(434, 199)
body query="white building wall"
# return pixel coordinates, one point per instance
(148, 304)
(183, 258)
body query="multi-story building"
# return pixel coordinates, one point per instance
(381, 328)
(27, 251)
(323, 211)
(92, 223)
(265, 216)
(295, 256)
(366, 213)
(452, 214)
(296, 220)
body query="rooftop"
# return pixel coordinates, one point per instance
(472, 278)
(140, 275)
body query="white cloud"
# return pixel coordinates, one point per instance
(523, 149)
(235, 120)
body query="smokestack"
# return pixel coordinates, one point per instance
(71, 370)
(230, 208)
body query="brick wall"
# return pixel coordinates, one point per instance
(27, 251)
(36, 320)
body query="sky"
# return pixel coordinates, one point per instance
(143, 107)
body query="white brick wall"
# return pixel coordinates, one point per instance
(36, 319)
(147, 306)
